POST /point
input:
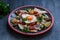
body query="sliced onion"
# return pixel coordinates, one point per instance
(39, 11)
(33, 30)
(20, 26)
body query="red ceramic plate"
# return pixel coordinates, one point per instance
(29, 34)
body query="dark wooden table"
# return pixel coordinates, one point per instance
(53, 5)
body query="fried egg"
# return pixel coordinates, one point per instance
(30, 18)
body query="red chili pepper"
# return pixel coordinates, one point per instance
(31, 27)
(36, 13)
(32, 24)
(48, 19)
(21, 23)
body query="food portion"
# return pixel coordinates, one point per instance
(31, 20)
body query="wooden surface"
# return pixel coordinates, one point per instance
(53, 5)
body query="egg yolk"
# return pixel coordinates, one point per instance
(29, 18)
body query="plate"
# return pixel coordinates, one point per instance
(30, 34)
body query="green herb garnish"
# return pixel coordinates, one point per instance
(27, 9)
(25, 29)
(40, 18)
(41, 26)
(24, 19)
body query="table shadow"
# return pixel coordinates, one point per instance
(23, 37)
